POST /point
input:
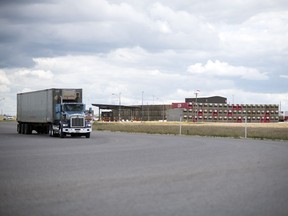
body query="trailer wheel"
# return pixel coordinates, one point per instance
(22, 128)
(25, 131)
(18, 128)
(28, 129)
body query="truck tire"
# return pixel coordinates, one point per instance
(18, 128)
(62, 134)
(25, 131)
(28, 129)
(22, 128)
(51, 131)
(87, 135)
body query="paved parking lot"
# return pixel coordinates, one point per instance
(139, 174)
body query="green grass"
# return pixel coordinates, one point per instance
(268, 131)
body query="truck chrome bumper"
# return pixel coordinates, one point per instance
(77, 130)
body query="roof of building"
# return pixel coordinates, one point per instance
(212, 99)
(112, 106)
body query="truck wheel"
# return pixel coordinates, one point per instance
(62, 134)
(18, 128)
(51, 131)
(88, 135)
(28, 129)
(22, 128)
(25, 129)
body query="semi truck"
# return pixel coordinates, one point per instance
(56, 112)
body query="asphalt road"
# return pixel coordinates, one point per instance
(137, 174)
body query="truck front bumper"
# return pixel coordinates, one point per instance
(77, 130)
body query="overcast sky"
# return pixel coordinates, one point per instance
(166, 49)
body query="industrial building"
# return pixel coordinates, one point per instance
(133, 113)
(204, 109)
(218, 112)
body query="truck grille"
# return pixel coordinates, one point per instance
(77, 122)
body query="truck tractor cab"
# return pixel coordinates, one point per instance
(72, 120)
(70, 115)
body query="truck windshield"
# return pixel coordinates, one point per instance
(74, 107)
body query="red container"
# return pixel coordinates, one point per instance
(180, 106)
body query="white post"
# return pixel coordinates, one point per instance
(245, 127)
(119, 111)
(142, 109)
(196, 108)
(180, 127)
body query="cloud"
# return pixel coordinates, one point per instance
(164, 48)
(63, 28)
(3, 78)
(242, 96)
(127, 55)
(38, 74)
(181, 29)
(4, 82)
(284, 76)
(265, 32)
(223, 69)
(99, 79)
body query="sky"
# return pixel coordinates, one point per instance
(152, 51)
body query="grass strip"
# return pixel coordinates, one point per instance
(273, 131)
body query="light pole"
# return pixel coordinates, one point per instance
(119, 108)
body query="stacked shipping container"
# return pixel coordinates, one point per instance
(218, 112)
